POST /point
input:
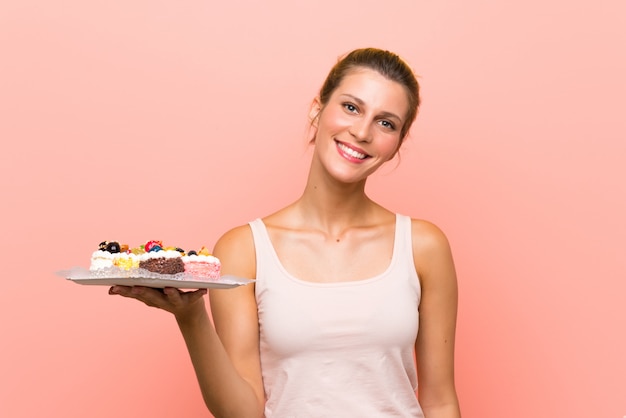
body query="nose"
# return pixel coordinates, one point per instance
(361, 130)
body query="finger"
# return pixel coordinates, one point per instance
(118, 290)
(188, 298)
(149, 296)
(198, 294)
(178, 297)
(129, 291)
(173, 295)
(172, 291)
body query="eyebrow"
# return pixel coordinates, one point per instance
(383, 113)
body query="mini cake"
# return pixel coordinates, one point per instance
(202, 264)
(115, 260)
(159, 260)
(126, 260)
(103, 257)
(101, 260)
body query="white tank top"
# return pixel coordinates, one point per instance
(341, 349)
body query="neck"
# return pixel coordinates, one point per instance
(332, 206)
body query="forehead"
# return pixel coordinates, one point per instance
(374, 90)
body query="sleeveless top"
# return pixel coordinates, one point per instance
(341, 349)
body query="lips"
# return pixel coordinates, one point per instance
(351, 153)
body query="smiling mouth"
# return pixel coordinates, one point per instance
(350, 152)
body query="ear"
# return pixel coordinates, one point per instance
(314, 111)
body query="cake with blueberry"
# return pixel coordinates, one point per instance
(103, 257)
(202, 264)
(161, 260)
(113, 258)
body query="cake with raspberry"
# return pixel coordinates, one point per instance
(161, 260)
(113, 259)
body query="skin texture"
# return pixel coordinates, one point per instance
(334, 223)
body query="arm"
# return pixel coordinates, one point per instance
(434, 346)
(225, 357)
(236, 322)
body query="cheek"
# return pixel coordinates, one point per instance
(332, 119)
(389, 146)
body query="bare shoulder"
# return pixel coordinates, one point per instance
(431, 250)
(236, 252)
(234, 310)
(427, 236)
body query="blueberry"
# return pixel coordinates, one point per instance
(113, 247)
(155, 248)
(192, 252)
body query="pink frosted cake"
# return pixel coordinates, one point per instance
(111, 257)
(202, 265)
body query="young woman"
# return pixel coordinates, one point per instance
(343, 285)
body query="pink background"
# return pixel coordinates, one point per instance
(177, 120)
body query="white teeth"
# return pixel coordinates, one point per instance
(351, 152)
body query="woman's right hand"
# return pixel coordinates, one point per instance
(227, 362)
(183, 305)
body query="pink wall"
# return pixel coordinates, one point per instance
(176, 120)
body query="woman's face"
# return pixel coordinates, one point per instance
(358, 130)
